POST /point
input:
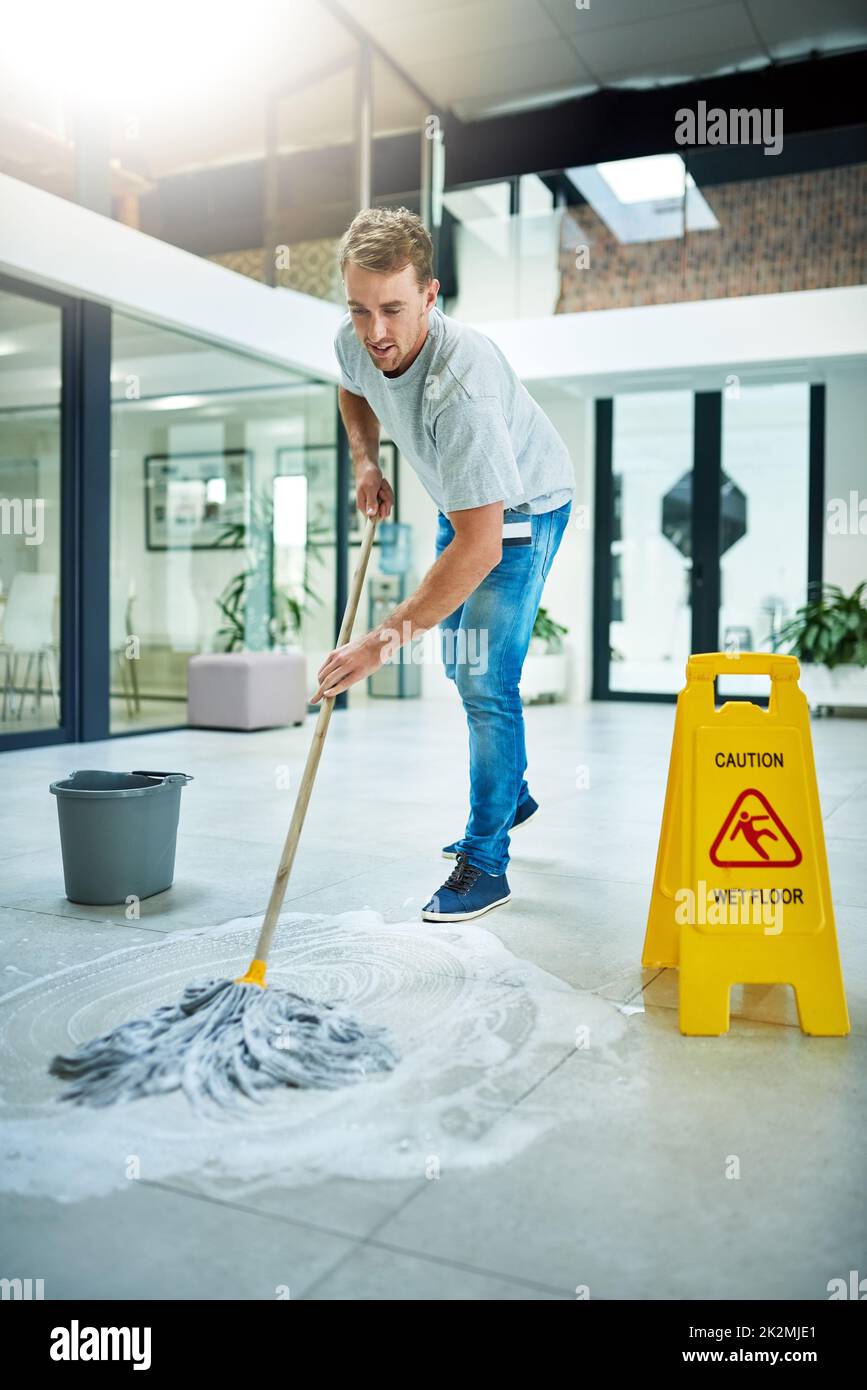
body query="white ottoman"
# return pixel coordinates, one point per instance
(246, 690)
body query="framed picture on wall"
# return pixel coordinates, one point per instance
(191, 499)
(388, 464)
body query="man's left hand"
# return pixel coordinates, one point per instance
(348, 664)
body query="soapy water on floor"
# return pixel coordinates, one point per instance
(475, 1027)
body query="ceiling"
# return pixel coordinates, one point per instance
(199, 98)
(487, 56)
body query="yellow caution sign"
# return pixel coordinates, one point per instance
(741, 893)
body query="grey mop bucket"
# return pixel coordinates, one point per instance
(118, 832)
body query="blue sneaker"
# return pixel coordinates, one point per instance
(467, 892)
(525, 812)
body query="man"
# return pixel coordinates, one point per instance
(502, 480)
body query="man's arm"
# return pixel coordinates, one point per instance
(373, 492)
(476, 547)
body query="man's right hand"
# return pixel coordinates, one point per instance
(373, 492)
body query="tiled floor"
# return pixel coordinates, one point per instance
(620, 1180)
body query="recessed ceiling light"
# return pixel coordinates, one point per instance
(175, 402)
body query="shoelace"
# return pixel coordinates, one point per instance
(463, 876)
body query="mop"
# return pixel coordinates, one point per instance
(230, 1038)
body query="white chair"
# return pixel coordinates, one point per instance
(28, 635)
(120, 626)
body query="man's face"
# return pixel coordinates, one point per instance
(389, 312)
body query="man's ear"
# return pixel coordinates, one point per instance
(433, 290)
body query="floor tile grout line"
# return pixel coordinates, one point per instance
(70, 917)
(423, 1186)
(427, 1257)
(360, 1242)
(192, 926)
(827, 815)
(568, 987)
(432, 975)
(383, 1221)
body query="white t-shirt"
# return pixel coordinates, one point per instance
(463, 420)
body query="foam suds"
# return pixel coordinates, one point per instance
(475, 1028)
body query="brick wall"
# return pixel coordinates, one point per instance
(797, 232)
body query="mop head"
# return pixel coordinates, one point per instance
(224, 1040)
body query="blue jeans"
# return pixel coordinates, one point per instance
(484, 643)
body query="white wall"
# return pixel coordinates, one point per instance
(55, 243)
(816, 327)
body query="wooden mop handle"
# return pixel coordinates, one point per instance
(278, 892)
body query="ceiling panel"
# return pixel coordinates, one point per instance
(606, 14)
(794, 27)
(505, 72)
(669, 70)
(669, 38)
(476, 57)
(395, 105)
(479, 28)
(372, 14)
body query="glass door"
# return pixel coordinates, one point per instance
(650, 541)
(33, 674)
(703, 521)
(764, 519)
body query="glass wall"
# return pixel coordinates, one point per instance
(651, 615)
(30, 514)
(503, 241)
(224, 473)
(764, 517)
(661, 229)
(666, 550)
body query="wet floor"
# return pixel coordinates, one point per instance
(547, 1128)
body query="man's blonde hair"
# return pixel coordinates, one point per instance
(387, 239)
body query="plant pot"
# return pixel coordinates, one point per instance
(844, 687)
(544, 676)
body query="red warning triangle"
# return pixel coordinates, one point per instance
(754, 837)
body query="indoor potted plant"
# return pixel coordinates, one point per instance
(828, 635)
(256, 612)
(545, 669)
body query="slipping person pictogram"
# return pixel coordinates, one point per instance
(747, 852)
(748, 825)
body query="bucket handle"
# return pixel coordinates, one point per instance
(182, 777)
